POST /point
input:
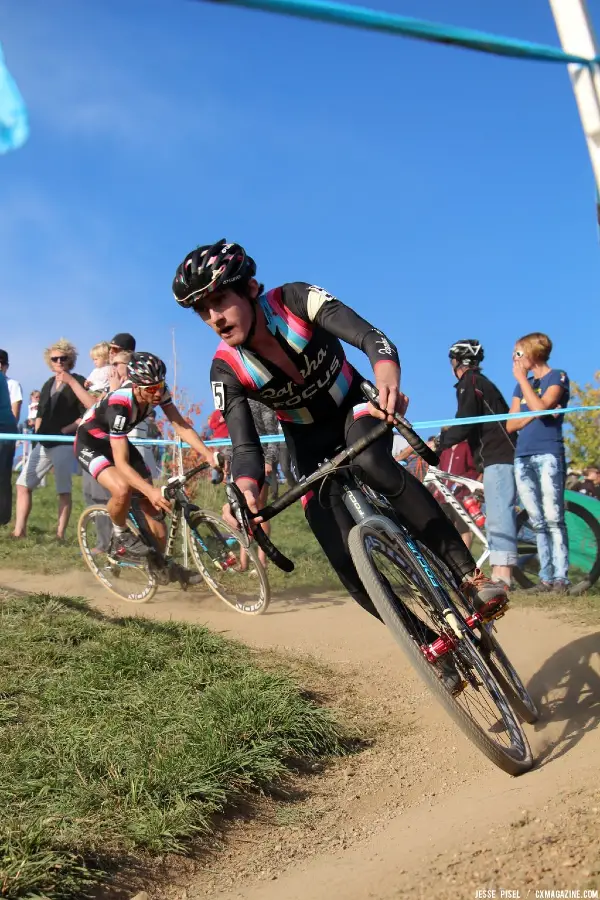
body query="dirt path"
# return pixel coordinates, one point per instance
(420, 812)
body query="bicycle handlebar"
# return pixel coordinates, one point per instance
(246, 518)
(403, 427)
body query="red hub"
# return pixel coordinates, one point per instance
(446, 643)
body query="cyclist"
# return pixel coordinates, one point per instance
(103, 449)
(283, 348)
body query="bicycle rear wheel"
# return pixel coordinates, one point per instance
(216, 551)
(411, 598)
(583, 530)
(126, 579)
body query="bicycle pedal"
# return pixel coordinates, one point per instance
(496, 615)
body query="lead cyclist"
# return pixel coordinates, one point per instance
(283, 348)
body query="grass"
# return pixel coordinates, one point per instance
(128, 735)
(40, 551)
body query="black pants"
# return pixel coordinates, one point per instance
(7, 455)
(416, 508)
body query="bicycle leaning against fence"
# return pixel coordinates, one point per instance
(583, 530)
(418, 599)
(215, 548)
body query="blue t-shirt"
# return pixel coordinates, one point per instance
(8, 423)
(544, 433)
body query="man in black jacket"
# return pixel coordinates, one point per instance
(493, 451)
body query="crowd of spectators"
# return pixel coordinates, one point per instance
(519, 461)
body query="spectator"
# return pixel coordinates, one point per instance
(540, 467)
(493, 452)
(122, 342)
(97, 382)
(154, 433)
(34, 402)
(285, 461)
(14, 388)
(458, 460)
(591, 482)
(59, 412)
(415, 464)
(8, 425)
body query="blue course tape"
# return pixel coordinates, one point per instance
(377, 20)
(278, 438)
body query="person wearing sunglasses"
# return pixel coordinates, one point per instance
(59, 412)
(103, 449)
(540, 469)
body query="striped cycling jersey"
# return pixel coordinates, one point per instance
(117, 414)
(309, 325)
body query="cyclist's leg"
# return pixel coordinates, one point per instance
(421, 513)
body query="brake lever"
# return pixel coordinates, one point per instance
(244, 517)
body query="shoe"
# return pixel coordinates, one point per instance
(544, 587)
(182, 575)
(561, 587)
(449, 675)
(488, 597)
(130, 545)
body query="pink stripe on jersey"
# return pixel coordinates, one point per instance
(98, 433)
(98, 464)
(230, 356)
(299, 326)
(120, 398)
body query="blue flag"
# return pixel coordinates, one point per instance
(14, 126)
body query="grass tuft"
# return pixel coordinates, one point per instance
(118, 736)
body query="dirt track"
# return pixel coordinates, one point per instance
(420, 812)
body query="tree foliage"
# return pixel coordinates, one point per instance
(583, 434)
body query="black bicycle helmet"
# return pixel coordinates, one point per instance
(469, 352)
(210, 268)
(145, 368)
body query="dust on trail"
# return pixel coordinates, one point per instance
(420, 812)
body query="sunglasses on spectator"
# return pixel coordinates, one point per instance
(153, 389)
(59, 358)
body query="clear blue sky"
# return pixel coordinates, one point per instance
(441, 192)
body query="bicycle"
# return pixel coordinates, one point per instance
(211, 541)
(583, 529)
(445, 626)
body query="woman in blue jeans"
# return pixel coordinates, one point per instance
(540, 454)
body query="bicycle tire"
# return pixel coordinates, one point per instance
(576, 509)
(503, 670)
(512, 763)
(218, 527)
(101, 572)
(508, 678)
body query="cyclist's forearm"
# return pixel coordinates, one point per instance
(344, 323)
(189, 436)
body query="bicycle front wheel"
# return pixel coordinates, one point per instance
(411, 598)
(583, 530)
(232, 571)
(127, 579)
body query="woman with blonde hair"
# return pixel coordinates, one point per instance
(59, 412)
(540, 470)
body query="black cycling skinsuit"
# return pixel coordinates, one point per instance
(321, 415)
(114, 416)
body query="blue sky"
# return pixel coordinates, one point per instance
(442, 193)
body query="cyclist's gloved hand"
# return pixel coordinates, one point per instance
(155, 496)
(391, 398)
(251, 492)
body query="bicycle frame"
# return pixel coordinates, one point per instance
(434, 477)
